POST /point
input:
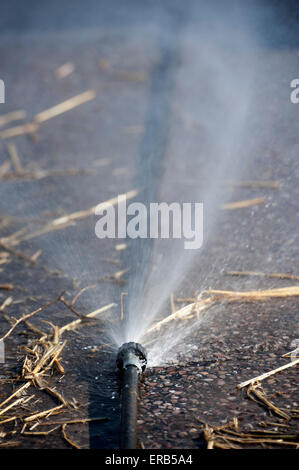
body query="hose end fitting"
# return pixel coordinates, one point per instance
(131, 354)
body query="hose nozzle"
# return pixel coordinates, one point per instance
(131, 354)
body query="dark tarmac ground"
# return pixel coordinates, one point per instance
(115, 48)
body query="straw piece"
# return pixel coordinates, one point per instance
(72, 309)
(13, 236)
(42, 414)
(251, 440)
(118, 275)
(85, 213)
(28, 315)
(92, 286)
(294, 353)
(6, 286)
(257, 184)
(14, 157)
(67, 220)
(52, 353)
(267, 374)
(15, 403)
(174, 316)
(27, 175)
(67, 439)
(32, 127)
(230, 439)
(16, 253)
(48, 228)
(75, 323)
(255, 295)
(4, 170)
(64, 106)
(12, 116)
(35, 329)
(183, 313)
(6, 302)
(15, 394)
(4, 257)
(264, 424)
(261, 274)
(75, 421)
(242, 204)
(9, 444)
(28, 128)
(36, 255)
(59, 367)
(64, 70)
(13, 418)
(172, 303)
(51, 391)
(39, 433)
(120, 246)
(200, 303)
(256, 389)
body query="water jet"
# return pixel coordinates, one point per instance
(131, 361)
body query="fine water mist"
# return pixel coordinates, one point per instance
(193, 146)
(181, 135)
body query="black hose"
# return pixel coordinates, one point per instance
(128, 437)
(131, 361)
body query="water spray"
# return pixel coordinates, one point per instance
(131, 361)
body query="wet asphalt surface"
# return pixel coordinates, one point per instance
(110, 136)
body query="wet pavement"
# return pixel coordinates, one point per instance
(137, 58)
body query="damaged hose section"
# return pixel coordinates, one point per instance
(131, 361)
